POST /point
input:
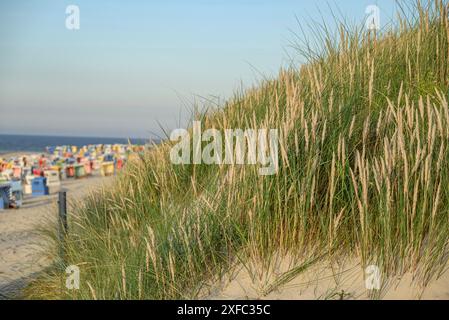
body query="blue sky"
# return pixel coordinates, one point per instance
(135, 63)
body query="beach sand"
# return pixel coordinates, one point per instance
(21, 245)
(344, 280)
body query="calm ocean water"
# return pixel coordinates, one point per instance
(14, 143)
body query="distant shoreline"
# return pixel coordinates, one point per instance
(38, 144)
(71, 137)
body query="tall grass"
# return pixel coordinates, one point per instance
(364, 172)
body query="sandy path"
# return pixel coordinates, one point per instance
(20, 254)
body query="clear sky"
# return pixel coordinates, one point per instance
(135, 63)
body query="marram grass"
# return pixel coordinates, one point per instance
(364, 172)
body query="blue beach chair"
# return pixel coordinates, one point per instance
(5, 195)
(39, 187)
(17, 193)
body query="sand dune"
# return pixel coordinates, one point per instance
(339, 281)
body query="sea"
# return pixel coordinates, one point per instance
(31, 143)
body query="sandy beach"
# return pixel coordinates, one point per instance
(325, 281)
(21, 256)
